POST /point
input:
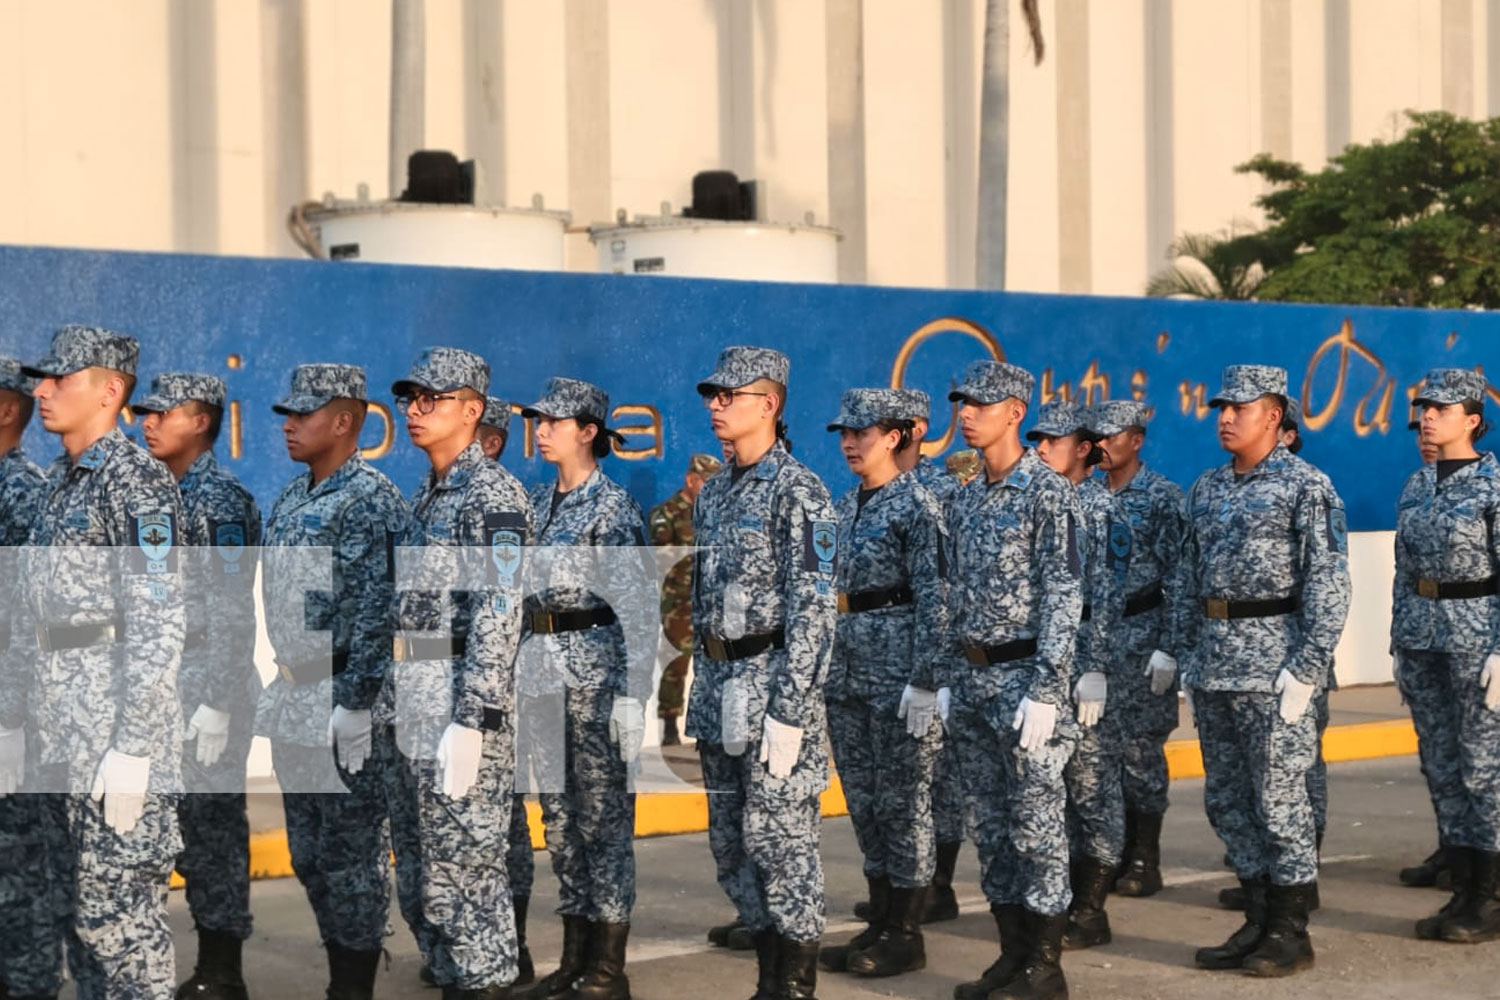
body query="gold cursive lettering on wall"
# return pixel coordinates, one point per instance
(1193, 399)
(1138, 385)
(387, 435)
(1094, 384)
(1049, 391)
(945, 324)
(1379, 396)
(236, 431)
(650, 429)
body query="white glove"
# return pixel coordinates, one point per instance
(1090, 691)
(1162, 669)
(1294, 695)
(1036, 720)
(210, 727)
(1490, 678)
(12, 760)
(121, 782)
(944, 704)
(458, 755)
(918, 706)
(627, 726)
(349, 735)
(779, 746)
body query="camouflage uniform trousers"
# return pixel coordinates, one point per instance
(113, 892)
(1017, 799)
(948, 815)
(1458, 742)
(464, 892)
(406, 841)
(587, 808)
(764, 833)
(32, 913)
(671, 692)
(339, 841)
(215, 858)
(1317, 776)
(887, 779)
(1255, 784)
(1096, 799)
(520, 858)
(1146, 720)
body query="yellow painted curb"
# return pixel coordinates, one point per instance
(658, 813)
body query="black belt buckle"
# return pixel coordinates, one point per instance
(55, 638)
(843, 603)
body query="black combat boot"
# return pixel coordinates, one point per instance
(1285, 948)
(942, 901)
(734, 935)
(1232, 953)
(1042, 978)
(525, 968)
(899, 946)
(558, 984)
(766, 950)
(1142, 874)
(836, 958)
(604, 975)
(1460, 861)
(218, 974)
(1477, 918)
(351, 974)
(796, 969)
(1088, 924)
(1015, 948)
(1427, 874)
(1128, 850)
(1233, 898)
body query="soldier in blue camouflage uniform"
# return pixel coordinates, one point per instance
(327, 578)
(449, 697)
(588, 653)
(763, 623)
(1445, 633)
(30, 935)
(1266, 570)
(1018, 540)
(1144, 682)
(1096, 806)
(882, 689)
(947, 789)
(101, 590)
(218, 684)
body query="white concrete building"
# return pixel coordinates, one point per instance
(193, 125)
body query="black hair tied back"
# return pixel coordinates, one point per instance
(781, 435)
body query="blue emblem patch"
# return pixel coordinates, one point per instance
(820, 546)
(1338, 529)
(229, 543)
(1119, 543)
(505, 536)
(154, 537)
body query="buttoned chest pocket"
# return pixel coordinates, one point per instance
(1464, 527)
(751, 554)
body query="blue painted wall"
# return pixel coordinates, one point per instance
(648, 341)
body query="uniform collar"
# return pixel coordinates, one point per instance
(351, 468)
(1486, 467)
(1278, 459)
(463, 467)
(203, 465)
(100, 451)
(1023, 473)
(768, 465)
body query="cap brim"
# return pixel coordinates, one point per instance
(155, 404)
(50, 367)
(1440, 399)
(721, 380)
(301, 404)
(846, 422)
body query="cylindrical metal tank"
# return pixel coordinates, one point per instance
(396, 232)
(709, 248)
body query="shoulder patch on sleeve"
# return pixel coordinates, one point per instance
(229, 544)
(1338, 530)
(504, 536)
(820, 545)
(155, 538)
(1075, 550)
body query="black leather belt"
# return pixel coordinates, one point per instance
(52, 638)
(988, 656)
(405, 649)
(1144, 600)
(725, 650)
(548, 622)
(1214, 607)
(197, 637)
(1087, 613)
(872, 600)
(312, 671)
(1458, 590)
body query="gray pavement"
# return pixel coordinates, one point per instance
(1380, 821)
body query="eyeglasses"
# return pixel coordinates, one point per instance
(725, 397)
(423, 402)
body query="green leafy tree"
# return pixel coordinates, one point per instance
(1208, 266)
(1409, 222)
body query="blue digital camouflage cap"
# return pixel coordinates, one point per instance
(1247, 383)
(986, 382)
(1111, 416)
(915, 404)
(1058, 419)
(12, 378)
(571, 397)
(75, 348)
(444, 369)
(1451, 385)
(737, 367)
(171, 389)
(315, 386)
(861, 408)
(496, 414)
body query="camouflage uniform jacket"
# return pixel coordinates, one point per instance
(1158, 521)
(23, 487)
(1106, 559)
